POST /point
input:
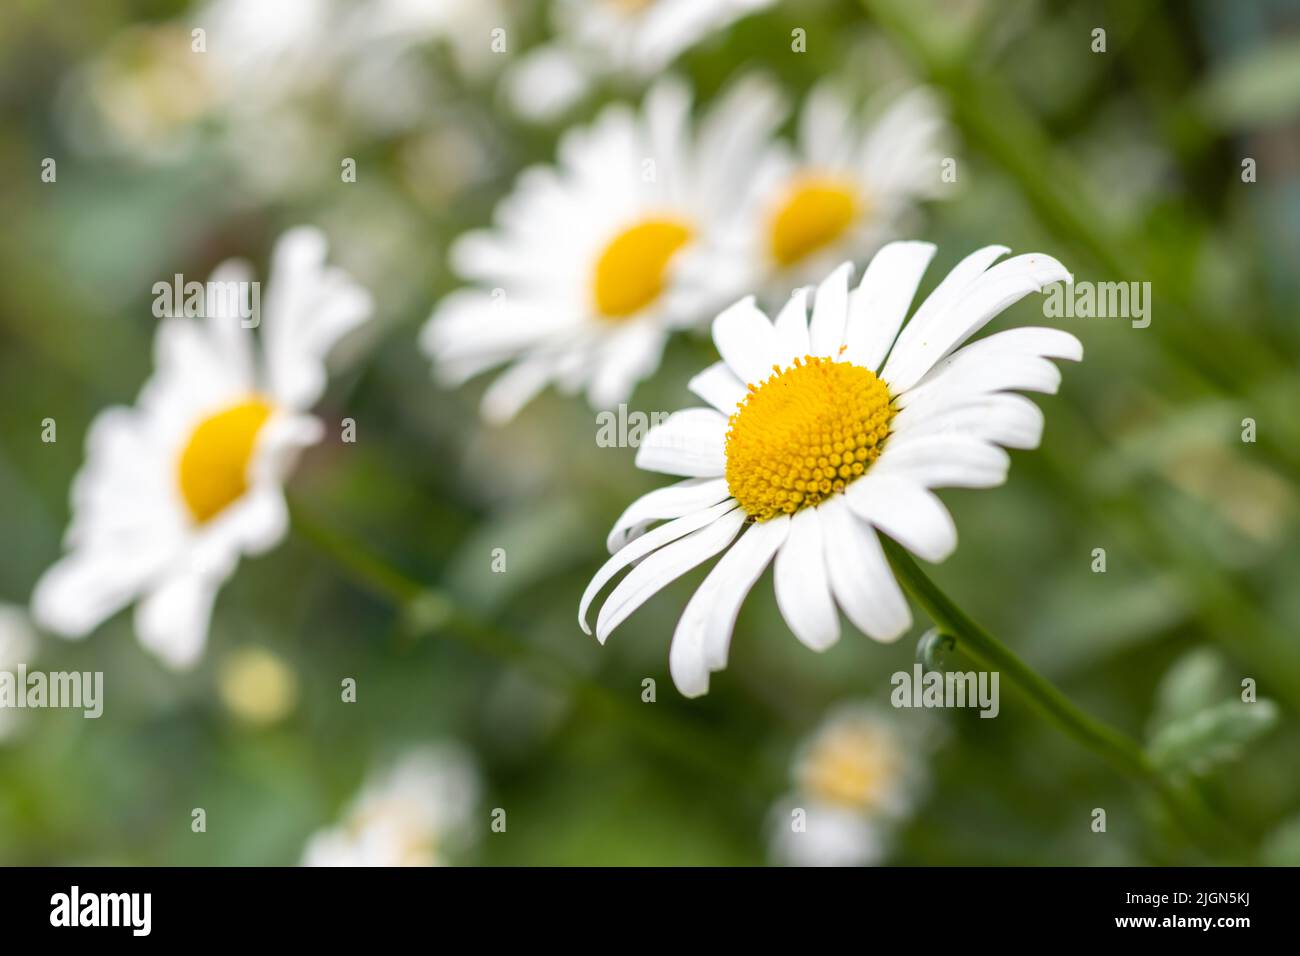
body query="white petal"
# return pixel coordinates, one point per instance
(310, 306)
(861, 578)
(663, 504)
(172, 621)
(830, 311)
(703, 633)
(746, 341)
(648, 542)
(1003, 418)
(803, 592)
(910, 514)
(719, 386)
(690, 443)
(994, 291)
(514, 388)
(624, 359)
(663, 567)
(943, 461)
(948, 292)
(792, 328)
(85, 588)
(969, 375)
(879, 304)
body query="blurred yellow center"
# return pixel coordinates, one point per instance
(213, 468)
(804, 434)
(632, 269)
(850, 766)
(814, 213)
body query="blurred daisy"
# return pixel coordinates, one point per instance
(418, 812)
(855, 778)
(178, 487)
(593, 263)
(851, 181)
(17, 648)
(821, 432)
(595, 38)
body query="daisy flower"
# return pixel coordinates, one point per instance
(856, 778)
(594, 262)
(175, 489)
(596, 38)
(850, 181)
(821, 432)
(415, 813)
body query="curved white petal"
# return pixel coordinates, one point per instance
(803, 591)
(830, 310)
(861, 579)
(690, 443)
(1003, 418)
(943, 461)
(947, 292)
(994, 291)
(310, 306)
(644, 545)
(663, 567)
(746, 341)
(719, 386)
(909, 513)
(703, 633)
(86, 587)
(663, 504)
(879, 304)
(172, 621)
(792, 328)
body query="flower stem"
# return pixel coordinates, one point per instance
(1119, 750)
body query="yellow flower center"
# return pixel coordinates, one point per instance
(804, 434)
(632, 269)
(213, 468)
(814, 212)
(852, 766)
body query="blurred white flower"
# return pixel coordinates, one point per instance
(856, 777)
(276, 85)
(850, 182)
(594, 262)
(821, 432)
(596, 38)
(418, 812)
(17, 647)
(178, 487)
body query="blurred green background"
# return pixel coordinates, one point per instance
(1126, 165)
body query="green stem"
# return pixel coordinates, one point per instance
(428, 610)
(1118, 750)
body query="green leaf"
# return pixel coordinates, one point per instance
(1212, 736)
(1194, 682)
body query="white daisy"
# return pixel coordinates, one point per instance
(593, 263)
(597, 38)
(17, 648)
(178, 487)
(821, 432)
(855, 779)
(850, 181)
(418, 812)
